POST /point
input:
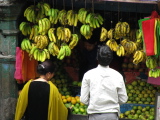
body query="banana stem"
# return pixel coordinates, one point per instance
(93, 6)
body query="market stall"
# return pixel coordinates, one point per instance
(49, 31)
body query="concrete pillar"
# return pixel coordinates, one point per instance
(9, 14)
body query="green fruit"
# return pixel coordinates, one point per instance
(134, 83)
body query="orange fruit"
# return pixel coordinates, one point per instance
(64, 100)
(63, 97)
(73, 101)
(73, 97)
(69, 99)
(78, 100)
(77, 97)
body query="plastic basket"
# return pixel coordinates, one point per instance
(128, 106)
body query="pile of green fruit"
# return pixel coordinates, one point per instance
(141, 92)
(61, 79)
(139, 112)
(74, 104)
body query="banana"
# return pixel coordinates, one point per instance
(112, 44)
(61, 54)
(103, 34)
(74, 41)
(47, 53)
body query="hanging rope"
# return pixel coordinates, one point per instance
(73, 13)
(64, 4)
(93, 6)
(118, 11)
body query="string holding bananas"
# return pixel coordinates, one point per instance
(104, 34)
(94, 20)
(34, 32)
(129, 46)
(53, 15)
(139, 56)
(112, 44)
(122, 29)
(64, 51)
(63, 34)
(82, 13)
(41, 41)
(26, 44)
(154, 73)
(39, 55)
(120, 50)
(44, 25)
(74, 41)
(30, 13)
(51, 35)
(62, 17)
(25, 28)
(72, 18)
(53, 49)
(86, 31)
(151, 62)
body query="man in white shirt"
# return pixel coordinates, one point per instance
(103, 89)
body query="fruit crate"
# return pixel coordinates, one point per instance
(128, 106)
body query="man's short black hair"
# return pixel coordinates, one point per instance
(105, 55)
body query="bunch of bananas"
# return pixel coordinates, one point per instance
(63, 34)
(139, 56)
(62, 17)
(104, 34)
(72, 18)
(112, 44)
(43, 9)
(139, 36)
(129, 46)
(111, 33)
(25, 28)
(53, 49)
(120, 50)
(122, 29)
(74, 41)
(41, 41)
(51, 35)
(26, 44)
(64, 51)
(86, 31)
(82, 13)
(34, 32)
(151, 62)
(94, 20)
(30, 13)
(53, 15)
(39, 55)
(154, 73)
(44, 25)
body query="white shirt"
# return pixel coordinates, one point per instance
(103, 90)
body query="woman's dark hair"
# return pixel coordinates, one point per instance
(105, 55)
(45, 67)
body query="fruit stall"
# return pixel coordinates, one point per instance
(55, 29)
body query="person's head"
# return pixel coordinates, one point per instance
(105, 55)
(46, 69)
